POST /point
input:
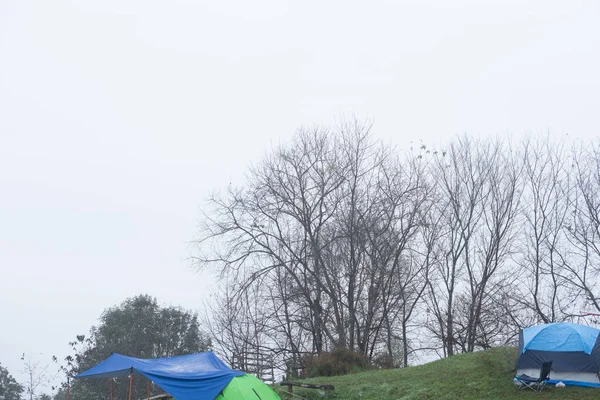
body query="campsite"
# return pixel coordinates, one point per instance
(574, 351)
(482, 375)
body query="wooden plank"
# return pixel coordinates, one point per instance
(159, 397)
(307, 385)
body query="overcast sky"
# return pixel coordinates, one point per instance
(118, 118)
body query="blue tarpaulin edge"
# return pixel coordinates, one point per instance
(200, 376)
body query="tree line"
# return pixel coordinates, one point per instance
(338, 240)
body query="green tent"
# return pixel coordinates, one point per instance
(247, 387)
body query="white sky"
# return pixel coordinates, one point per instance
(118, 118)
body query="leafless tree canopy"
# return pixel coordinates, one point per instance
(338, 240)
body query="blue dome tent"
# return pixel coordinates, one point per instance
(573, 349)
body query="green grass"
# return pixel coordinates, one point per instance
(480, 375)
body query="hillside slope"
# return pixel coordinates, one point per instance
(481, 375)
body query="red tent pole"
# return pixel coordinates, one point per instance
(130, 383)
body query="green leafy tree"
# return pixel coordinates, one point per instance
(10, 389)
(138, 327)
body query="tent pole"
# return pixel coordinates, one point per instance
(68, 389)
(148, 389)
(111, 388)
(130, 383)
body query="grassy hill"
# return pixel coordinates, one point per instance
(481, 375)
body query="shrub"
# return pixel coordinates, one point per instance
(384, 361)
(340, 361)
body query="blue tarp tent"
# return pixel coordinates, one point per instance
(200, 376)
(573, 349)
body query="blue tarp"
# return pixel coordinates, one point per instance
(199, 376)
(561, 336)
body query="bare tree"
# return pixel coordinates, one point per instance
(37, 374)
(582, 267)
(479, 185)
(548, 192)
(327, 223)
(337, 240)
(495, 239)
(459, 175)
(402, 270)
(282, 221)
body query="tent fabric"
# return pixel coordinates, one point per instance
(573, 349)
(568, 378)
(200, 376)
(567, 362)
(561, 336)
(247, 387)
